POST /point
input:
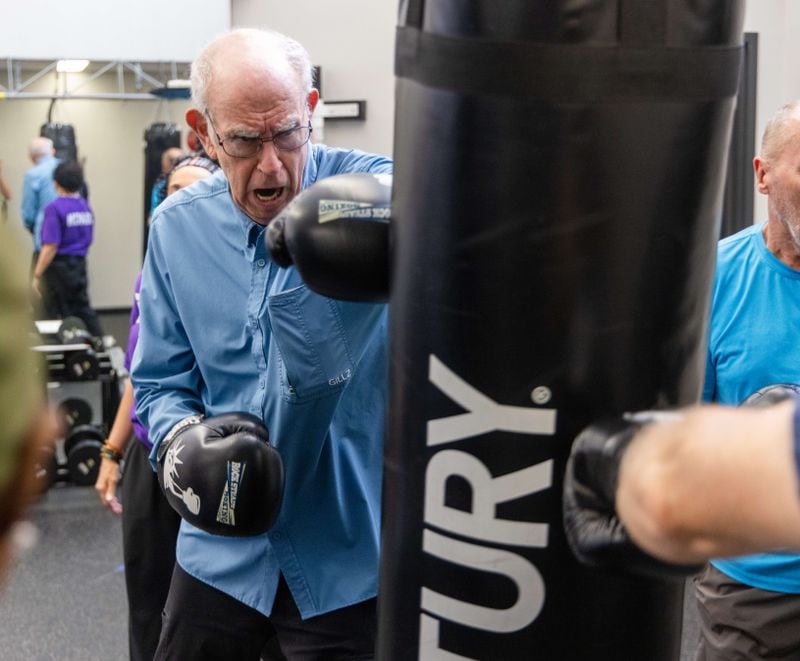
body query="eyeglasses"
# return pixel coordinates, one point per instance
(240, 146)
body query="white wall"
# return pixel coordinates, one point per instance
(353, 42)
(777, 23)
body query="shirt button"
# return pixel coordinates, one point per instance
(260, 263)
(262, 385)
(277, 536)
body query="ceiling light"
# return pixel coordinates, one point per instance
(71, 66)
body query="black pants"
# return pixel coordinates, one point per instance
(149, 532)
(66, 292)
(203, 623)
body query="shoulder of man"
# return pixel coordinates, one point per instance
(335, 160)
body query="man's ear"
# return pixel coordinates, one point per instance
(198, 122)
(761, 168)
(313, 98)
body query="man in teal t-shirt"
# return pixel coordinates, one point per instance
(750, 606)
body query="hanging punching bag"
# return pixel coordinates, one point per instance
(158, 137)
(63, 137)
(558, 182)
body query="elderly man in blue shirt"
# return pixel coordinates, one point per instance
(37, 187)
(228, 341)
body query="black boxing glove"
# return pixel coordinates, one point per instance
(595, 533)
(773, 394)
(221, 474)
(336, 232)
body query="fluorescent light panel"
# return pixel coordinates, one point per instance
(71, 66)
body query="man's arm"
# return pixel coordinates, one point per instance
(164, 372)
(30, 202)
(46, 255)
(715, 483)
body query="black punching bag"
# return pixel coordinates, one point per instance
(558, 182)
(63, 137)
(158, 137)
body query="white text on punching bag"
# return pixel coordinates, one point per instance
(483, 415)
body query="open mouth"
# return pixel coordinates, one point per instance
(268, 194)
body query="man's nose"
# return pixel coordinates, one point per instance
(269, 158)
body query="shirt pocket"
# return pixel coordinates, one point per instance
(308, 331)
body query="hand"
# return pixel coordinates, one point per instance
(594, 531)
(35, 286)
(222, 475)
(336, 232)
(106, 485)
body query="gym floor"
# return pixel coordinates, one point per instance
(65, 597)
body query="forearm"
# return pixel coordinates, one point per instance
(122, 429)
(718, 482)
(5, 189)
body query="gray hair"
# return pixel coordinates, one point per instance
(781, 129)
(40, 147)
(253, 44)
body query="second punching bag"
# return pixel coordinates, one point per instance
(63, 137)
(558, 181)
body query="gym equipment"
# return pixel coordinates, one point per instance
(82, 365)
(556, 201)
(82, 448)
(63, 137)
(594, 531)
(772, 394)
(74, 412)
(222, 475)
(336, 232)
(73, 331)
(158, 137)
(84, 390)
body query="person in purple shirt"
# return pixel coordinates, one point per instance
(59, 276)
(149, 524)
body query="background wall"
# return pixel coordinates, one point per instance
(778, 23)
(353, 42)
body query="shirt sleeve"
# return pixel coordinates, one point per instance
(30, 201)
(166, 379)
(51, 225)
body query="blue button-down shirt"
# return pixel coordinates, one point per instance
(37, 192)
(224, 329)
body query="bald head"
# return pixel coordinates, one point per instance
(40, 147)
(235, 54)
(784, 127)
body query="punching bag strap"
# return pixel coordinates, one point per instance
(567, 72)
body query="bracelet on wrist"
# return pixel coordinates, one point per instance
(110, 453)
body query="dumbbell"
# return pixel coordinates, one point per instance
(73, 412)
(73, 331)
(81, 365)
(82, 448)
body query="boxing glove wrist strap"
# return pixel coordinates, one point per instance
(177, 428)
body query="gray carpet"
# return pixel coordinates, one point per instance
(65, 598)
